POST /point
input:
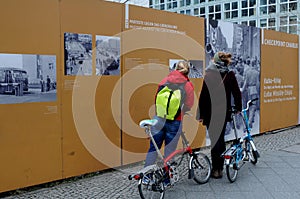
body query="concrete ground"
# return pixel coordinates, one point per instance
(276, 175)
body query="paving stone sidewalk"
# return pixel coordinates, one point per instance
(276, 175)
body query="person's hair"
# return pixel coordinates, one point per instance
(223, 57)
(183, 67)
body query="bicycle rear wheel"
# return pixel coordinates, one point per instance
(231, 170)
(151, 189)
(200, 166)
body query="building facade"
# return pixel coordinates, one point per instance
(279, 15)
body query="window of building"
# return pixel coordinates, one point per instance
(211, 9)
(271, 22)
(252, 3)
(227, 6)
(293, 20)
(162, 1)
(293, 29)
(162, 6)
(293, 6)
(272, 9)
(263, 10)
(169, 6)
(188, 12)
(175, 4)
(218, 8)
(227, 15)
(181, 11)
(252, 23)
(181, 3)
(244, 12)
(244, 23)
(263, 2)
(283, 29)
(283, 21)
(202, 10)
(218, 16)
(188, 2)
(252, 12)
(234, 14)
(234, 5)
(263, 23)
(196, 11)
(230, 10)
(202, 1)
(196, 2)
(283, 8)
(245, 4)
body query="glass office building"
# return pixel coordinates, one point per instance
(279, 15)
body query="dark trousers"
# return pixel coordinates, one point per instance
(218, 146)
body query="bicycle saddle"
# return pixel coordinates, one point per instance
(145, 123)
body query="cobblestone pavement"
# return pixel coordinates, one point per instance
(252, 182)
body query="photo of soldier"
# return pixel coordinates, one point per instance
(243, 42)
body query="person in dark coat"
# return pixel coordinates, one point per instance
(220, 88)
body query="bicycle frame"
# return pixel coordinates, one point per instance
(236, 149)
(166, 161)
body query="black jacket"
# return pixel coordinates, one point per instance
(219, 92)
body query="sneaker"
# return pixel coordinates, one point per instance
(220, 173)
(216, 174)
(147, 180)
(167, 182)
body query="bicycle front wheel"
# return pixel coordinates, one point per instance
(253, 154)
(200, 166)
(231, 170)
(151, 190)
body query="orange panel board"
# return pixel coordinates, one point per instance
(279, 80)
(30, 109)
(152, 42)
(91, 50)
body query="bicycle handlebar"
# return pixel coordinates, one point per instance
(249, 103)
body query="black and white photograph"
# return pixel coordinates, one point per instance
(78, 54)
(196, 67)
(27, 78)
(243, 42)
(107, 55)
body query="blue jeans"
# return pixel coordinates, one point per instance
(167, 131)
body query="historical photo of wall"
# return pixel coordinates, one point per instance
(78, 54)
(243, 42)
(196, 67)
(107, 55)
(27, 78)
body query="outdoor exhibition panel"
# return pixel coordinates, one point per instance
(279, 80)
(77, 77)
(243, 42)
(30, 129)
(90, 46)
(152, 42)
